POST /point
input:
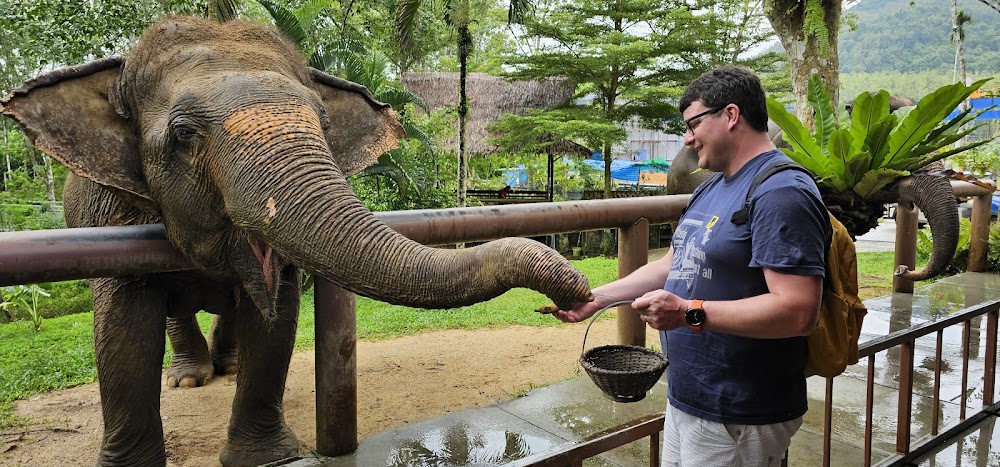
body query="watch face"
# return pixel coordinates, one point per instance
(694, 316)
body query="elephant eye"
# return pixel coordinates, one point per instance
(185, 132)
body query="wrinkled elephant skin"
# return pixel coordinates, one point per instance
(223, 134)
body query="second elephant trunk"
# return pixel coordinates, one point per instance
(934, 197)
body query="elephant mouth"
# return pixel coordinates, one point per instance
(260, 270)
(263, 252)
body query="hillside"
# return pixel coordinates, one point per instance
(892, 36)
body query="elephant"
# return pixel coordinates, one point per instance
(223, 134)
(932, 194)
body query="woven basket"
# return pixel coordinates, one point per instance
(625, 373)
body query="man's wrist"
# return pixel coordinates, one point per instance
(695, 315)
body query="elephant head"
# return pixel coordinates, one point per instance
(222, 133)
(931, 194)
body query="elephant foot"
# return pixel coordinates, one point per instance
(241, 452)
(225, 363)
(188, 374)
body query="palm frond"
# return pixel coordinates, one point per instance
(406, 20)
(875, 180)
(286, 22)
(223, 10)
(518, 11)
(417, 133)
(309, 11)
(399, 98)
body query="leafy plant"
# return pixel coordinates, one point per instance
(867, 150)
(25, 297)
(960, 262)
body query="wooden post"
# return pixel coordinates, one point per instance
(980, 235)
(336, 370)
(633, 253)
(906, 246)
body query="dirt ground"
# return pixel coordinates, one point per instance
(400, 381)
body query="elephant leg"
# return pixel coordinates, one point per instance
(191, 365)
(257, 430)
(129, 319)
(223, 346)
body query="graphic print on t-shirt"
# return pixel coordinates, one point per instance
(689, 258)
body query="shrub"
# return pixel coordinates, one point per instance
(960, 262)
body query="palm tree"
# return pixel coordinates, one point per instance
(458, 15)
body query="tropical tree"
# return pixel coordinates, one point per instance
(808, 30)
(959, 18)
(459, 14)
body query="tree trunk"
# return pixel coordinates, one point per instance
(50, 184)
(464, 42)
(957, 34)
(807, 52)
(607, 170)
(32, 162)
(6, 155)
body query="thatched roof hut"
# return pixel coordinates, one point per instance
(489, 98)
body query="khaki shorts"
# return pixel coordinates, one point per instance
(689, 441)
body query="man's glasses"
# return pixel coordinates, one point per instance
(691, 126)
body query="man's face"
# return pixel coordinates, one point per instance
(705, 126)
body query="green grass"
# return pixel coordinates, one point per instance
(62, 354)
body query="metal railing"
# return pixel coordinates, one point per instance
(45, 256)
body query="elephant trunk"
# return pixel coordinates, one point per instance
(305, 210)
(934, 197)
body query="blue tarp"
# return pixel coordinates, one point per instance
(982, 103)
(623, 170)
(516, 177)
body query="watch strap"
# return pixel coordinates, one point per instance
(696, 303)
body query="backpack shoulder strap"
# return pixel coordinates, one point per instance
(743, 215)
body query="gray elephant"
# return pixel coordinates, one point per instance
(932, 194)
(223, 134)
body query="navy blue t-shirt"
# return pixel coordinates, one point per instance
(727, 378)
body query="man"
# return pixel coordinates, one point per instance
(733, 302)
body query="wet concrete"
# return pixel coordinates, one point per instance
(569, 411)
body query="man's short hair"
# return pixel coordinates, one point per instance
(730, 85)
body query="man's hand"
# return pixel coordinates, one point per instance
(662, 310)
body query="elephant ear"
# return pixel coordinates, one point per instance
(361, 128)
(67, 114)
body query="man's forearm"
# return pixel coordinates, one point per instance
(789, 310)
(650, 276)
